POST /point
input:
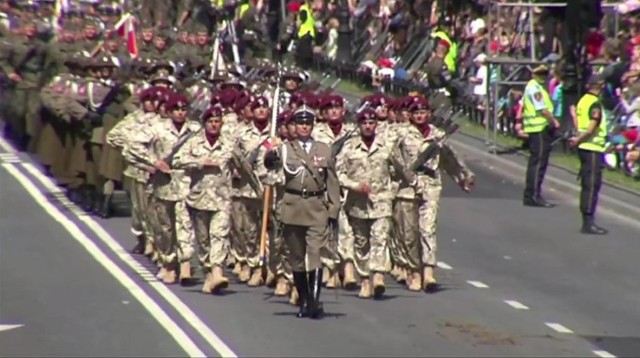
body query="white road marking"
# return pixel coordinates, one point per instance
(517, 305)
(136, 291)
(477, 284)
(558, 327)
(604, 354)
(9, 158)
(507, 257)
(7, 327)
(444, 266)
(189, 316)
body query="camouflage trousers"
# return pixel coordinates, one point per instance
(345, 238)
(427, 224)
(174, 231)
(141, 223)
(245, 227)
(370, 244)
(414, 230)
(211, 230)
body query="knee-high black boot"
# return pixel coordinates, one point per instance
(315, 285)
(302, 286)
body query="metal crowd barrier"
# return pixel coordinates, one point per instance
(497, 118)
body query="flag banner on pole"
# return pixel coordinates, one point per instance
(126, 29)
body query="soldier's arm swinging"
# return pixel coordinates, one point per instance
(333, 190)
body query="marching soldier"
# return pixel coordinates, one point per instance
(137, 178)
(591, 142)
(150, 148)
(207, 158)
(24, 65)
(247, 206)
(278, 260)
(329, 132)
(363, 168)
(422, 196)
(539, 124)
(310, 206)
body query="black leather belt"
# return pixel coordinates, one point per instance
(305, 193)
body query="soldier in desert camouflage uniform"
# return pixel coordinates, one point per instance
(363, 168)
(419, 215)
(119, 138)
(150, 148)
(333, 129)
(207, 159)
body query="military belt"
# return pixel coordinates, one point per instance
(305, 193)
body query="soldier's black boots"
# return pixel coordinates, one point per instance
(589, 227)
(87, 199)
(103, 209)
(538, 202)
(302, 286)
(140, 246)
(315, 285)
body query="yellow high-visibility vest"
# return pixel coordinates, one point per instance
(532, 121)
(243, 9)
(597, 142)
(309, 26)
(452, 56)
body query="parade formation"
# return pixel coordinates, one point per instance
(254, 168)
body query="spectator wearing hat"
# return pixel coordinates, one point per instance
(151, 149)
(207, 158)
(591, 142)
(310, 206)
(539, 124)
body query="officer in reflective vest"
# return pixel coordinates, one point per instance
(592, 144)
(539, 124)
(306, 36)
(451, 58)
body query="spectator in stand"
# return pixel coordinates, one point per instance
(480, 80)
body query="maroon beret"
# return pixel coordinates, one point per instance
(366, 114)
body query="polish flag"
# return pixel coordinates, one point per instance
(126, 28)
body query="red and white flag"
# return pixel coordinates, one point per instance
(126, 28)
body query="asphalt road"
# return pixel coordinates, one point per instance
(516, 282)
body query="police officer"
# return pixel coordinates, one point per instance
(309, 207)
(439, 76)
(306, 36)
(539, 124)
(591, 143)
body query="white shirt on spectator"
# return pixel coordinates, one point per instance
(534, 92)
(482, 73)
(476, 25)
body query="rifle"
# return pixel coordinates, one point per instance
(449, 126)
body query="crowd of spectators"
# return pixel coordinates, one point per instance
(390, 37)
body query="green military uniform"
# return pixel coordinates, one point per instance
(26, 58)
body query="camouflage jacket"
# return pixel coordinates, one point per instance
(148, 145)
(357, 164)
(210, 185)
